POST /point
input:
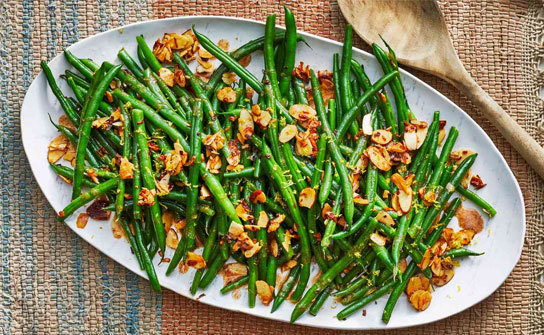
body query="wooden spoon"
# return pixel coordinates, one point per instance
(416, 30)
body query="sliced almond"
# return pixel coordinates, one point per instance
(168, 219)
(443, 280)
(251, 252)
(229, 78)
(265, 291)
(274, 224)
(367, 124)
(410, 137)
(243, 211)
(245, 125)
(302, 112)
(401, 183)
(405, 200)
(379, 157)
(306, 197)
(82, 220)
(172, 239)
(167, 76)
(235, 229)
(421, 132)
(196, 261)
(125, 169)
(421, 300)
(262, 221)
(425, 260)
(287, 133)
(418, 283)
(326, 211)
(381, 136)
(116, 229)
(226, 94)
(257, 197)
(385, 218)
(378, 239)
(57, 148)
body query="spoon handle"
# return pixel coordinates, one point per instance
(526, 145)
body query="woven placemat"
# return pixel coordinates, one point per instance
(53, 282)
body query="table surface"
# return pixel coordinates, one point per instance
(53, 282)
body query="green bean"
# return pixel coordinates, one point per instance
(346, 96)
(244, 173)
(445, 194)
(326, 279)
(290, 51)
(90, 107)
(130, 63)
(146, 258)
(286, 288)
(75, 62)
(475, 198)
(87, 197)
(147, 174)
(350, 115)
(335, 152)
(461, 252)
(320, 300)
(234, 285)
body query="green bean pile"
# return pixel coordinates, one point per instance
(307, 171)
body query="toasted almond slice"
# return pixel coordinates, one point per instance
(418, 283)
(257, 197)
(395, 202)
(243, 211)
(426, 259)
(262, 221)
(196, 261)
(441, 136)
(441, 281)
(265, 291)
(367, 124)
(326, 211)
(274, 224)
(245, 124)
(302, 112)
(421, 132)
(306, 197)
(205, 193)
(378, 239)
(179, 78)
(381, 136)
(57, 148)
(82, 220)
(223, 44)
(204, 54)
(410, 138)
(235, 229)
(385, 218)
(405, 200)
(421, 300)
(287, 133)
(167, 76)
(360, 201)
(459, 155)
(226, 94)
(379, 157)
(168, 219)
(125, 169)
(232, 272)
(229, 78)
(255, 249)
(172, 239)
(116, 229)
(289, 265)
(401, 183)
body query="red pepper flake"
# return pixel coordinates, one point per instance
(364, 312)
(477, 182)
(441, 124)
(153, 146)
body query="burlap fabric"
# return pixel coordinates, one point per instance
(53, 282)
